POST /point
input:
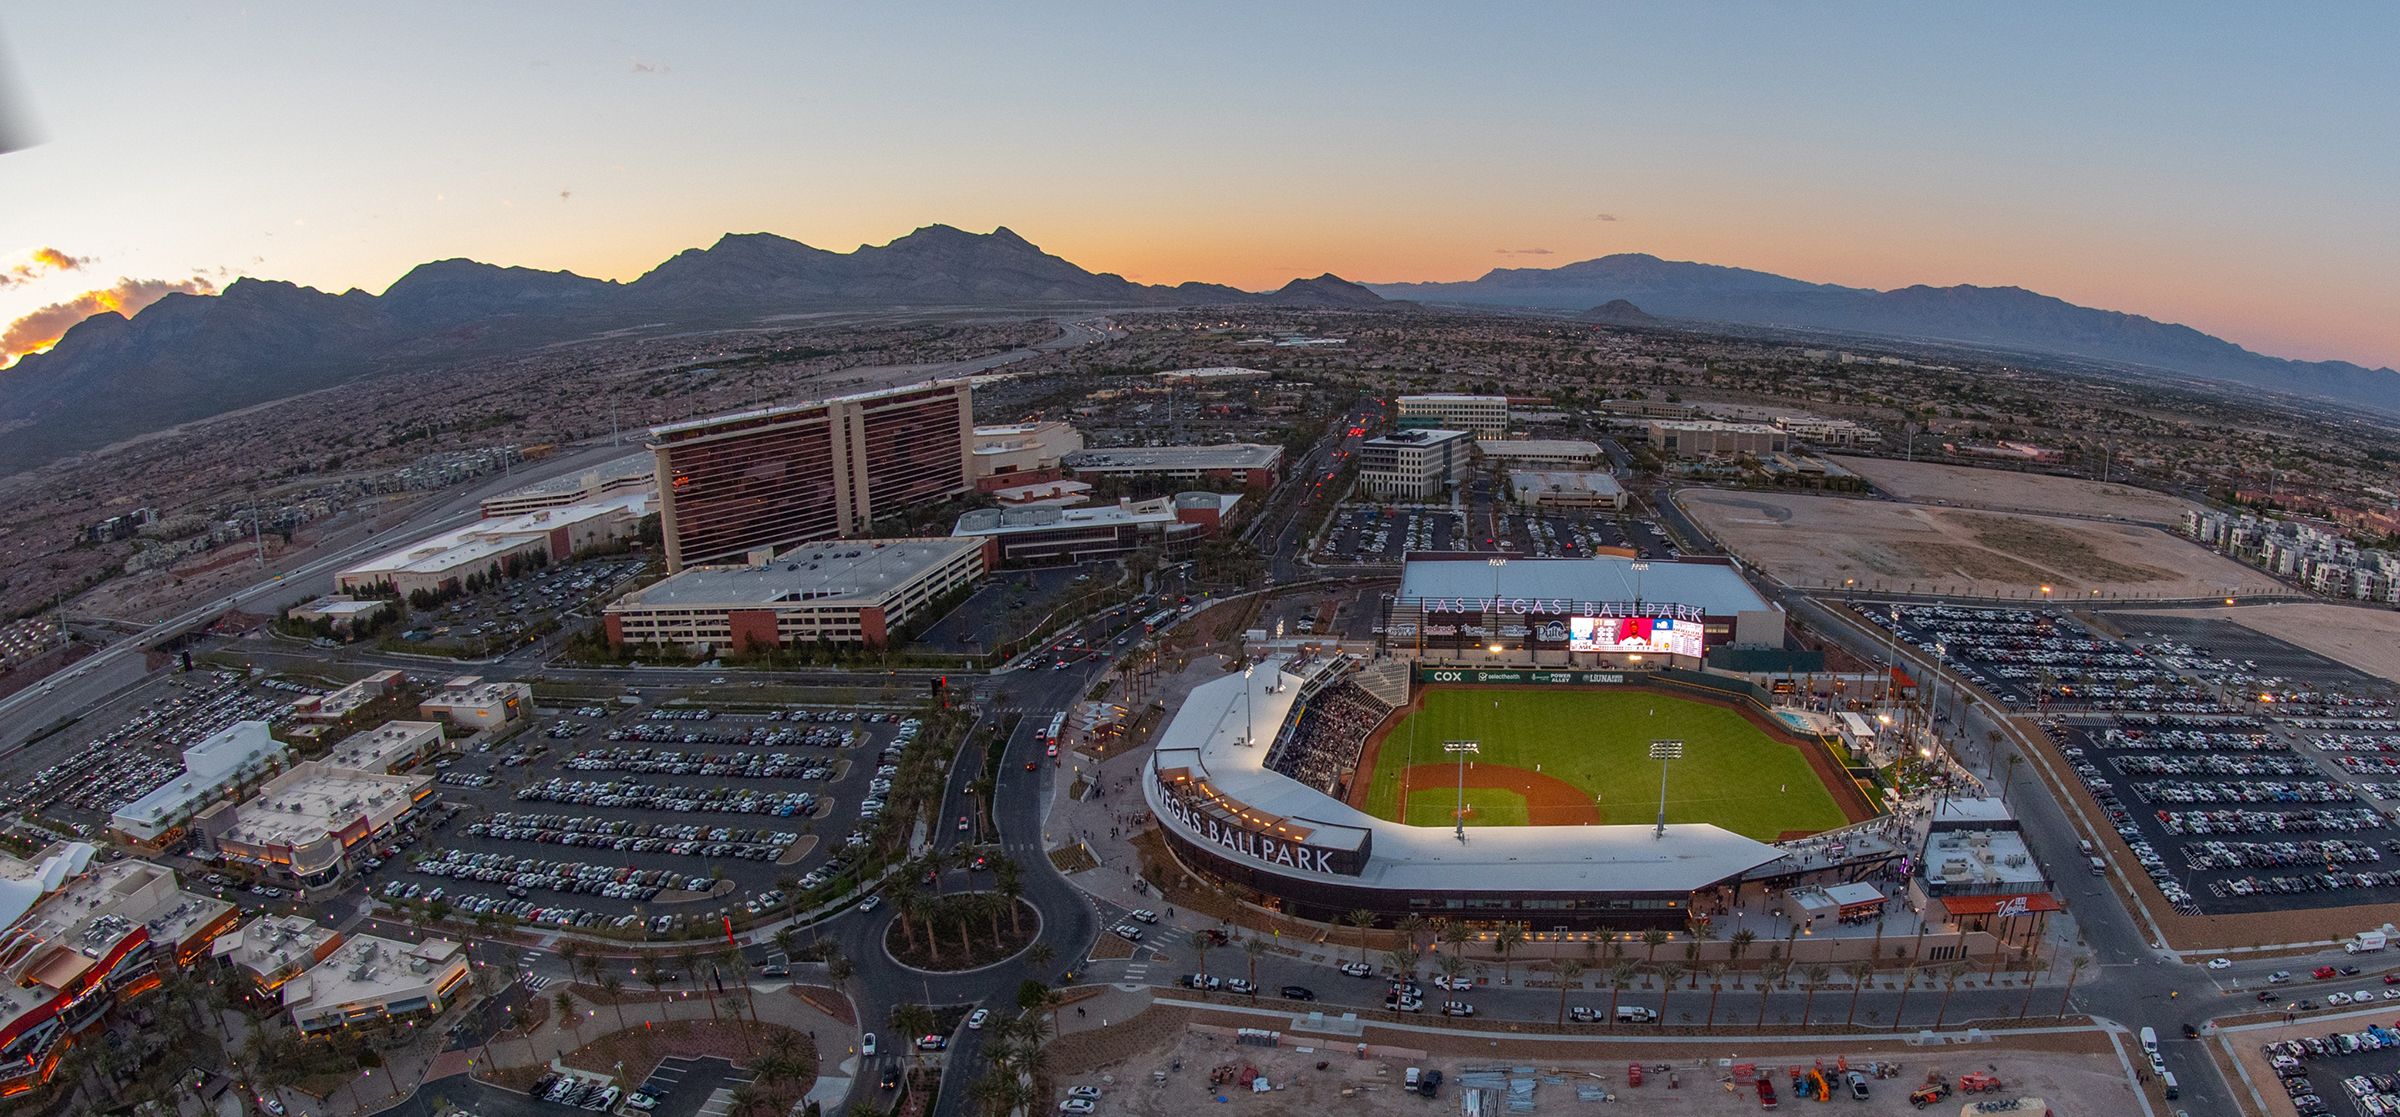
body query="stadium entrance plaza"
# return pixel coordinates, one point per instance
(1112, 815)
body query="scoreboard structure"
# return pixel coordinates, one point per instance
(1594, 612)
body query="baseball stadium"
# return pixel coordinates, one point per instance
(1598, 792)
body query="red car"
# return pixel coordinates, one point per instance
(1766, 1094)
(2322, 972)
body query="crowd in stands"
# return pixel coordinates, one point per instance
(1324, 746)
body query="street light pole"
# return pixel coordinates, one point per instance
(1664, 751)
(1638, 566)
(1462, 749)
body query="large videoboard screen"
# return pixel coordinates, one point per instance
(1663, 635)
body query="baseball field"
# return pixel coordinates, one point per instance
(1565, 757)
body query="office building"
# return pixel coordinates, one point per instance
(1049, 536)
(1022, 453)
(1481, 416)
(79, 936)
(1248, 464)
(473, 704)
(634, 473)
(860, 592)
(1547, 489)
(444, 562)
(1836, 434)
(1413, 464)
(305, 826)
(230, 757)
(369, 980)
(1562, 453)
(1707, 438)
(781, 476)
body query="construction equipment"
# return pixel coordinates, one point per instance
(1977, 1082)
(1928, 1094)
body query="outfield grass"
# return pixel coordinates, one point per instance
(1486, 806)
(1732, 774)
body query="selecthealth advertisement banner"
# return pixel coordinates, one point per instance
(1517, 675)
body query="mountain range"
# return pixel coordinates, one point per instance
(188, 357)
(2009, 318)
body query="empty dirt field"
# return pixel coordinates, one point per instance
(1818, 541)
(2367, 639)
(1969, 487)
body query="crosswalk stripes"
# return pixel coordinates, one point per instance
(535, 982)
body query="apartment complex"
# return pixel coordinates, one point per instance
(1046, 536)
(1414, 464)
(1482, 416)
(229, 757)
(79, 936)
(779, 476)
(1708, 438)
(858, 592)
(2300, 552)
(1249, 464)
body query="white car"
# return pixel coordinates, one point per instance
(2220, 963)
(1077, 1105)
(976, 1018)
(2337, 998)
(1144, 915)
(866, 1044)
(1358, 969)
(871, 902)
(643, 1102)
(1092, 1092)
(1445, 981)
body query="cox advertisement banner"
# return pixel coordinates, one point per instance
(1518, 675)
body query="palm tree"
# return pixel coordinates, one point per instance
(995, 1092)
(1653, 939)
(1950, 975)
(980, 789)
(2075, 967)
(1860, 974)
(1412, 928)
(1033, 999)
(1403, 959)
(1455, 935)
(1008, 878)
(1451, 966)
(564, 1002)
(1253, 947)
(911, 1021)
(922, 907)
(1667, 973)
(1570, 973)
(902, 894)
(1361, 918)
(1908, 981)
(1812, 975)
(1716, 987)
(1768, 975)
(1507, 938)
(1619, 976)
(785, 939)
(1739, 944)
(789, 885)
(614, 986)
(1040, 955)
(1200, 949)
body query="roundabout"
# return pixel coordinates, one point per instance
(960, 932)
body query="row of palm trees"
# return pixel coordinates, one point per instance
(1015, 1053)
(930, 911)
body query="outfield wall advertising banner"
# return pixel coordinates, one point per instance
(1549, 631)
(1494, 675)
(1661, 635)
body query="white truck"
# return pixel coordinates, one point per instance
(2368, 942)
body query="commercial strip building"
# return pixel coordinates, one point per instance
(341, 611)
(859, 592)
(635, 472)
(304, 824)
(473, 704)
(1046, 536)
(444, 561)
(230, 757)
(81, 936)
(394, 746)
(339, 704)
(1248, 464)
(273, 949)
(1603, 612)
(1022, 453)
(369, 979)
(1216, 374)
(1060, 493)
(1977, 873)
(1283, 844)
(1708, 438)
(1816, 430)
(781, 476)
(1564, 453)
(1547, 489)
(1482, 416)
(1413, 464)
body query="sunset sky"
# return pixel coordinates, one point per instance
(2236, 168)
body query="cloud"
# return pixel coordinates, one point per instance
(42, 261)
(41, 329)
(1523, 251)
(1604, 217)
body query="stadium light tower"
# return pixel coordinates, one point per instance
(1663, 751)
(1463, 749)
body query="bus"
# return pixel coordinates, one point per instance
(1058, 725)
(1152, 623)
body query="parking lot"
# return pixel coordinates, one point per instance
(2236, 787)
(1006, 603)
(1381, 534)
(96, 772)
(506, 613)
(653, 817)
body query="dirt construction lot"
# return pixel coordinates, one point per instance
(2367, 639)
(1125, 1062)
(1818, 541)
(1969, 487)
